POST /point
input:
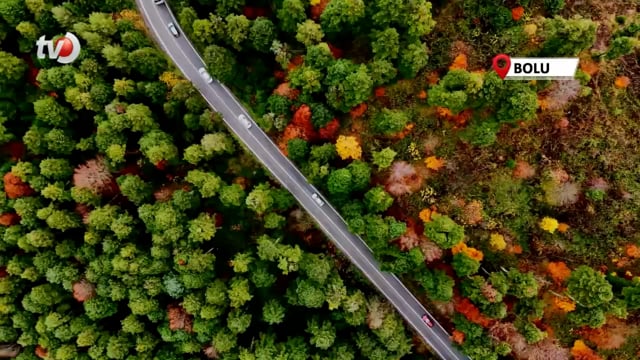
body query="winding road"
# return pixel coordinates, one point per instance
(218, 96)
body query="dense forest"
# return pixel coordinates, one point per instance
(133, 225)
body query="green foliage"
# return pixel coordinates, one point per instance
(588, 287)
(341, 14)
(522, 285)
(388, 121)
(348, 84)
(384, 158)
(464, 265)
(12, 67)
(413, 58)
(290, 14)
(385, 44)
(567, 37)
(377, 200)
(157, 146)
(443, 231)
(261, 34)
(455, 90)
(340, 182)
(220, 62)
(134, 188)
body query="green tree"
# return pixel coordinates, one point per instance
(382, 72)
(261, 34)
(207, 183)
(57, 169)
(349, 85)
(13, 12)
(226, 7)
(298, 149)
(260, 199)
(148, 62)
(413, 58)
(383, 158)
(340, 182)
(323, 334)
(455, 90)
(291, 14)
(220, 62)
(389, 121)
(237, 30)
(589, 288)
(385, 44)
(377, 200)
(309, 33)
(567, 37)
(232, 195)
(306, 78)
(342, 14)
(464, 265)
(239, 292)
(157, 145)
(51, 112)
(443, 231)
(140, 118)
(522, 285)
(319, 56)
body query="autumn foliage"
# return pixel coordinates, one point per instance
(329, 131)
(460, 62)
(8, 219)
(83, 290)
(457, 337)
(95, 176)
(300, 127)
(434, 163)
(472, 313)
(403, 179)
(622, 82)
(15, 188)
(348, 147)
(558, 271)
(632, 251)
(516, 13)
(581, 351)
(179, 319)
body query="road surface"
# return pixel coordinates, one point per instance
(218, 96)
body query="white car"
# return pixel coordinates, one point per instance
(317, 199)
(158, 2)
(243, 119)
(205, 75)
(173, 29)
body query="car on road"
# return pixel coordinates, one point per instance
(205, 75)
(317, 199)
(173, 29)
(427, 321)
(158, 2)
(243, 119)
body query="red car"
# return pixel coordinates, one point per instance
(427, 321)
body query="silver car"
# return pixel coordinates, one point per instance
(173, 29)
(158, 2)
(317, 199)
(205, 75)
(243, 119)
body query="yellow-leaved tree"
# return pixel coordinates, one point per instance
(348, 147)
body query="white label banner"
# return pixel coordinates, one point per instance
(542, 68)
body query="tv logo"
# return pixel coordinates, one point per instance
(66, 48)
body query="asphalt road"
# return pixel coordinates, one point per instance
(218, 96)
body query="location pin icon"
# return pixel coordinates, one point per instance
(502, 71)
